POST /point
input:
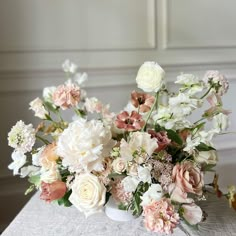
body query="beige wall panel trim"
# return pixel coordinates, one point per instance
(198, 24)
(43, 26)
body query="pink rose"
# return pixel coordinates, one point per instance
(188, 177)
(52, 191)
(66, 96)
(192, 213)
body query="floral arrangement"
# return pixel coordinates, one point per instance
(150, 158)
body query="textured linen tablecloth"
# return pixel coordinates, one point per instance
(38, 218)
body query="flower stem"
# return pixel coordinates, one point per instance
(204, 95)
(150, 112)
(42, 139)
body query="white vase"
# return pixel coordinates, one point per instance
(112, 211)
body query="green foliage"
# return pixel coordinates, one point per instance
(34, 179)
(30, 189)
(204, 147)
(174, 136)
(65, 200)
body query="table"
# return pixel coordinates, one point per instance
(39, 218)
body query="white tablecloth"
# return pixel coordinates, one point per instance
(38, 218)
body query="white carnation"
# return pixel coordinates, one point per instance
(84, 144)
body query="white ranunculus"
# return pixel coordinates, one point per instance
(19, 159)
(119, 165)
(37, 106)
(130, 183)
(144, 174)
(220, 122)
(88, 194)
(153, 193)
(150, 77)
(208, 157)
(47, 94)
(139, 141)
(84, 145)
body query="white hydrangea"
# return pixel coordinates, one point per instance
(84, 144)
(22, 137)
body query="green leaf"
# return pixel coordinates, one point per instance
(65, 199)
(174, 136)
(50, 107)
(209, 167)
(204, 147)
(34, 179)
(30, 189)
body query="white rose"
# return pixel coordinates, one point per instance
(208, 157)
(130, 183)
(37, 106)
(150, 77)
(88, 194)
(119, 165)
(153, 193)
(144, 174)
(220, 122)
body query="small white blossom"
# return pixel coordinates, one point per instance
(37, 106)
(69, 67)
(19, 159)
(80, 78)
(144, 174)
(220, 122)
(29, 171)
(130, 183)
(154, 193)
(36, 156)
(47, 94)
(22, 137)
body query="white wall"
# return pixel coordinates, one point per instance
(109, 39)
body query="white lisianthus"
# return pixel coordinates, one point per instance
(220, 122)
(130, 183)
(150, 77)
(208, 157)
(119, 165)
(19, 159)
(144, 174)
(84, 144)
(192, 213)
(69, 67)
(154, 193)
(139, 141)
(88, 194)
(37, 106)
(47, 94)
(22, 137)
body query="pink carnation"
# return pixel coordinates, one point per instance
(160, 216)
(66, 96)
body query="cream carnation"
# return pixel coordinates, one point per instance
(150, 77)
(88, 194)
(84, 145)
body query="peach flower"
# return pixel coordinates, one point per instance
(52, 191)
(142, 100)
(188, 177)
(66, 96)
(49, 156)
(129, 122)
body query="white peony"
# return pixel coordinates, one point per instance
(19, 159)
(150, 77)
(220, 122)
(37, 106)
(139, 141)
(130, 183)
(208, 157)
(83, 145)
(22, 137)
(119, 165)
(154, 193)
(88, 194)
(144, 174)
